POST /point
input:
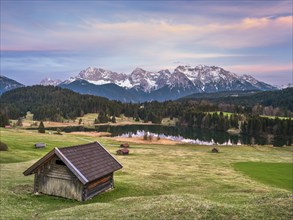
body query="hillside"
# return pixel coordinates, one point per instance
(57, 104)
(278, 98)
(7, 84)
(54, 103)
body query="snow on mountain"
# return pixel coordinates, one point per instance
(289, 85)
(100, 76)
(200, 78)
(179, 79)
(213, 79)
(7, 84)
(257, 84)
(206, 78)
(148, 81)
(50, 82)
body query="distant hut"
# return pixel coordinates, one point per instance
(40, 145)
(123, 151)
(124, 145)
(215, 150)
(78, 172)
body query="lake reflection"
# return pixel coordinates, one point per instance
(200, 135)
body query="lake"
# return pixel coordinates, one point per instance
(184, 134)
(191, 135)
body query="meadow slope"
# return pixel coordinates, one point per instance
(156, 182)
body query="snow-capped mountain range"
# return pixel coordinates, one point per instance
(183, 80)
(141, 85)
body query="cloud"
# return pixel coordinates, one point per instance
(261, 69)
(274, 74)
(250, 8)
(248, 32)
(122, 36)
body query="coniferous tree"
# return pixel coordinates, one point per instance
(103, 117)
(41, 127)
(96, 121)
(113, 119)
(3, 120)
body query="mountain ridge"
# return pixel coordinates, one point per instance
(142, 85)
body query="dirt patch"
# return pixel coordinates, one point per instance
(22, 189)
(26, 124)
(59, 124)
(118, 123)
(139, 140)
(92, 134)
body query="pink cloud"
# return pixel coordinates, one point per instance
(267, 68)
(144, 35)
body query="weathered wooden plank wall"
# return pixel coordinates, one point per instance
(54, 178)
(58, 180)
(99, 186)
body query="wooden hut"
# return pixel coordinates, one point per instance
(40, 145)
(124, 145)
(123, 151)
(77, 172)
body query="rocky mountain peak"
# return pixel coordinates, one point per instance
(50, 82)
(100, 76)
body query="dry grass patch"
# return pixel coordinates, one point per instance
(92, 134)
(140, 140)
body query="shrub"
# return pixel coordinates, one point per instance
(58, 131)
(215, 150)
(3, 146)
(145, 136)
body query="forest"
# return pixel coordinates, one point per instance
(276, 98)
(57, 104)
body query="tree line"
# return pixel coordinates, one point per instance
(256, 125)
(57, 104)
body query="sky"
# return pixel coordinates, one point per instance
(58, 39)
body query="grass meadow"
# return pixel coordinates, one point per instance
(157, 182)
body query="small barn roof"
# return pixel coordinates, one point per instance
(123, 150)
(124, 145)
(40, 144)
(88, 161)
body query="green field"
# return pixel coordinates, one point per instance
(275, 174)
(156, 182)
(274, 117)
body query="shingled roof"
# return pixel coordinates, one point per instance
(88, 161)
